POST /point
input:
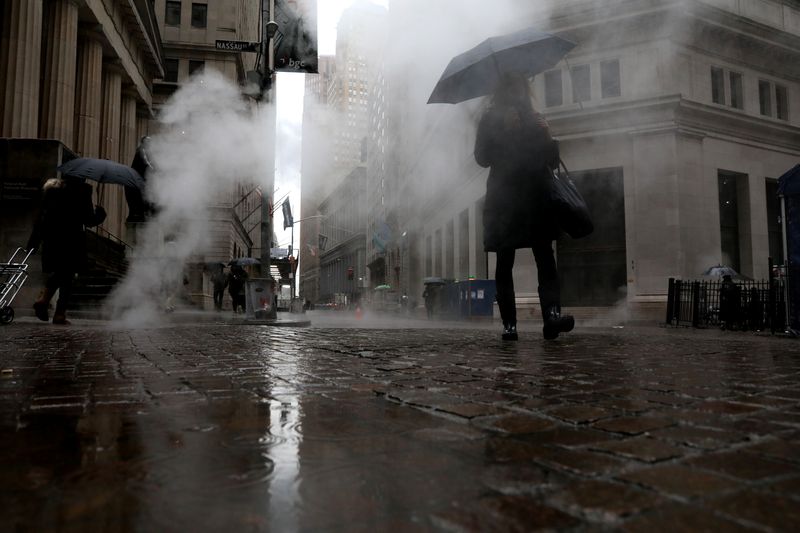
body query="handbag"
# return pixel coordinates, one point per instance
(568, 206)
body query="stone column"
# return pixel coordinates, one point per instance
(58, 80)
(109, 143)
(142, 127)
(88, 96)
(127, 148)
(20, 58)
(128, 139)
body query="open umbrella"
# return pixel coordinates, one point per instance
(477, 71)
(718, 271)
(383, 288)
(245, 261)
(433, 281)
(102, 171)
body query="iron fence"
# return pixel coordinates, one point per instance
(744, 305)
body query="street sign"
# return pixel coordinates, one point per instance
(237, 46)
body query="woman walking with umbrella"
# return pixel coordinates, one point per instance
(60, 228)
(515, 142)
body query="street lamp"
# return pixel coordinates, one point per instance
(269, 29)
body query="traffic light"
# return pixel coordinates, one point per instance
(350, 273)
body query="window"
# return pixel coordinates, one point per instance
(737, 91)
(729, 219)
(437, 253)
(581, 83)
(171, 69)
(552, 88)
(199, 15)
(449, 248)
(196, 66)
(717, 86)
(765, 98)
(463, 245)
(609, 79)
(774, 226)
(781, 102)
(172, 15)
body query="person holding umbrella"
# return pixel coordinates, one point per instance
(515, 142)
(236, 283)
(65, 212)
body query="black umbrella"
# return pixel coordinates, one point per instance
(477, 71)
(102, 171)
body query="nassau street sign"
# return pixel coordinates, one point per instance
(237, 46)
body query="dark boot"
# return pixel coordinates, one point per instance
(60, 315)
(42, 304)
(510, 331)
(555, 323)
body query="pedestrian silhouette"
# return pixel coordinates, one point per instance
(60, 229)
(514, 141)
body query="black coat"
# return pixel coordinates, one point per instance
(66, 211)
(518, 148)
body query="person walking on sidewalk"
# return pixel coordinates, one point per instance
(219, 280)
(236, 282)
(65, 213)
(514, 141)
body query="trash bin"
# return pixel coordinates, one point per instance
(476, 297)
(259, 299)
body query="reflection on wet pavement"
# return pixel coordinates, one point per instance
(266, 429)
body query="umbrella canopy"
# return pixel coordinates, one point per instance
(477, 71)
(245, 261)
(383, 288)
(102, 171)
(718, 271)
(433, 281)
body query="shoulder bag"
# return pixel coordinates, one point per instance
(569, 208)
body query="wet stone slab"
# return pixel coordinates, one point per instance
(220, 427)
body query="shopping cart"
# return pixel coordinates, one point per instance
(12, 276)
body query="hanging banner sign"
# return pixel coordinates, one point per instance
(296, 39)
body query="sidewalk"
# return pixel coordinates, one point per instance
(210, 427)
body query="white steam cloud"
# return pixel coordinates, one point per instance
(211, 138)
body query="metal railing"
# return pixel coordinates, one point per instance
(742, 305)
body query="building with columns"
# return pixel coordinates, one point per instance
(76, 79)
(86, 78)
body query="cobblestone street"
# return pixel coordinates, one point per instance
(251, 428)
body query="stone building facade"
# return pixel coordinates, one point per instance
(80, 72)
(76, 79)
(189, 31)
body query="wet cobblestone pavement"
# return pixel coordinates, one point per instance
(242, 428)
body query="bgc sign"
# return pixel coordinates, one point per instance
(296, 39)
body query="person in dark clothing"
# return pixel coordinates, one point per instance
(66, 211)
(139, 209)
(515, 142)
(236, 281)
(430, 299)
(219, 281)
(729, 303)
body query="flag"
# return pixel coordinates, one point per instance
(288, 220)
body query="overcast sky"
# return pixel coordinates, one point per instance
(290, 89)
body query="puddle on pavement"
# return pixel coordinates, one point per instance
(232, 464)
